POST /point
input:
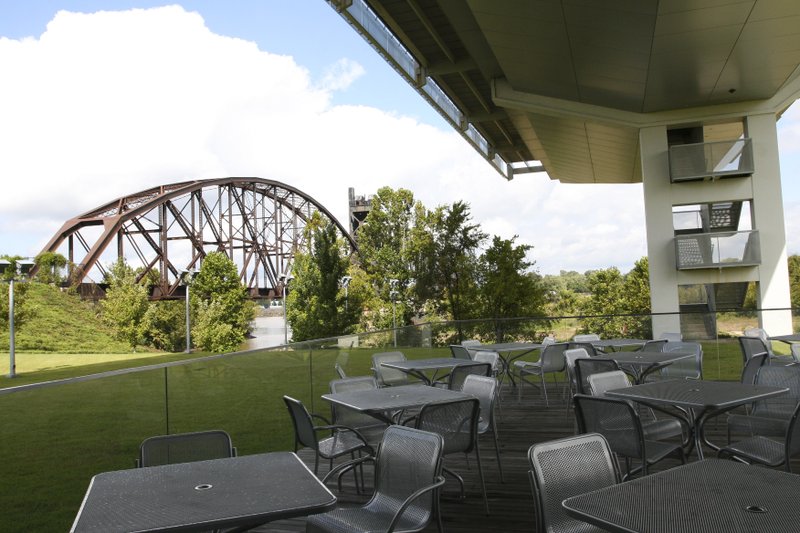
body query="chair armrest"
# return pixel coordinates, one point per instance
(343, 467)
(320, 417)
(340, 427)
(419, 492)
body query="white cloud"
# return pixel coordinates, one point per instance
(107, 104)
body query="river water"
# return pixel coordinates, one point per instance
(268, 332)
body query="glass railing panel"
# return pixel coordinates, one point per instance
(717, 250)
(711, 160)
(55, 438)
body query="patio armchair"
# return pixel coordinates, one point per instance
(472, 345)
(765, 451)
(684, 368)
(756, 340)
(485, 390)
(455, 381)
(752, 366)
(388, 377)
(459, 351)
(406, 496)
(671, 336)
(618, 421)
(585, 367)
(551, 361)
(343, 440)
(656, 345)
(457, 422)
(185, 448)
(588, 346)
(368, 426)
(769, 417)
(570, 356)
(564, 468)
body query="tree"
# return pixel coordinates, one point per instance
(164, 325)
(794, 280)
(507, 287)
(23, 311)
(48, 267)
(125, 304)
(316, 302)
(220, 305)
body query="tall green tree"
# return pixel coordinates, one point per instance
(125, 304)
(49, 266)
(316, 300)
(794, 280)
(614, 295)
(508, 287)
(23, 310)
(219, 302)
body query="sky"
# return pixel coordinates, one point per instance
(99, 99)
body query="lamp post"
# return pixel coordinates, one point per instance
(285, 279)
(18, 268)
(187, 276)
(393, 296)
(345, 283)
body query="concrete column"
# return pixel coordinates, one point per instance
(773, 273)
(660, 234)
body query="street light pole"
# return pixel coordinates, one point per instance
(345, 284)
(284, 279)
(393, 295)
(187, 276)
(12, 371)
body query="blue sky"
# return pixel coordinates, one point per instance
(99, 105)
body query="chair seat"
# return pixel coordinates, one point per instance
(375, 517)
(529, 367)
(758, 449)
(340, 443)
(662, 429)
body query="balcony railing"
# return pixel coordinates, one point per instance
(717, 250)
(723, 159)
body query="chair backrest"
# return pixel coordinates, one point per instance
(304, 433)
(459, 373)
(549, 339)
(781, 406)
(570, 356)
(553, 359)
(752, 366)
(564, 468)
(493, 358)
(761, 333)
(684, 368)
(671, 336)
(185, 448)
(385, 376)
(593, 365)
(350, 417)
(460, 352)
(751, 346)
(792, 442)
(604, 381)
(654, 345)
(616, 419)
(339, 370)
(407, 460)
(485, 390)
(587, 346)
(587, 337)
(456, 421)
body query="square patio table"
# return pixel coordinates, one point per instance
(510, 351)
(794, 337)
(379, 402)
(708, 496)
(643, 363)
(698, 400)
(419, 367)
(236, 492)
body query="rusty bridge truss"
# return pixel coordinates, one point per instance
(168, 230)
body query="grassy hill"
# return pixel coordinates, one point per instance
(62, 323)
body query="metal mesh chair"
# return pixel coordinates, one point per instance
(770, 416)
(618, 421)
(766, 451)
(653, 428)
(760, 333)
(593, 365)
(368, 426)
(586, 337)
(460, 352)
(683, 368)
(588, 346)
(551, 361)
(485, 390)
(752, 366)
(185, 448)
(406, 497)
(671, 336)
(457, 422)
(564, 468)
(653, 346)
(493, 358)
(339, 370)
(343, 440)
(455, 380)
(388, 377)
(472, 346)
(570, 356)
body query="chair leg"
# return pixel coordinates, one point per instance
(544, 390)
(497, 452)
(483, 483)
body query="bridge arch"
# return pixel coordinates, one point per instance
(258, 223)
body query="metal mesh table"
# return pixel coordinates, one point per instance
(419, 367)
(200, 496)
(379, 402)
(708, 496)
(509, 351)
(698, 400)
(640, 364)
(617, 344)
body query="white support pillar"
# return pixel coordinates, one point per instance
(773, 273)
(654, 153)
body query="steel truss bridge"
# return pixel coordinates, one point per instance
(167, 230)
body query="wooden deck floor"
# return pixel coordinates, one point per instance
(521, 424)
